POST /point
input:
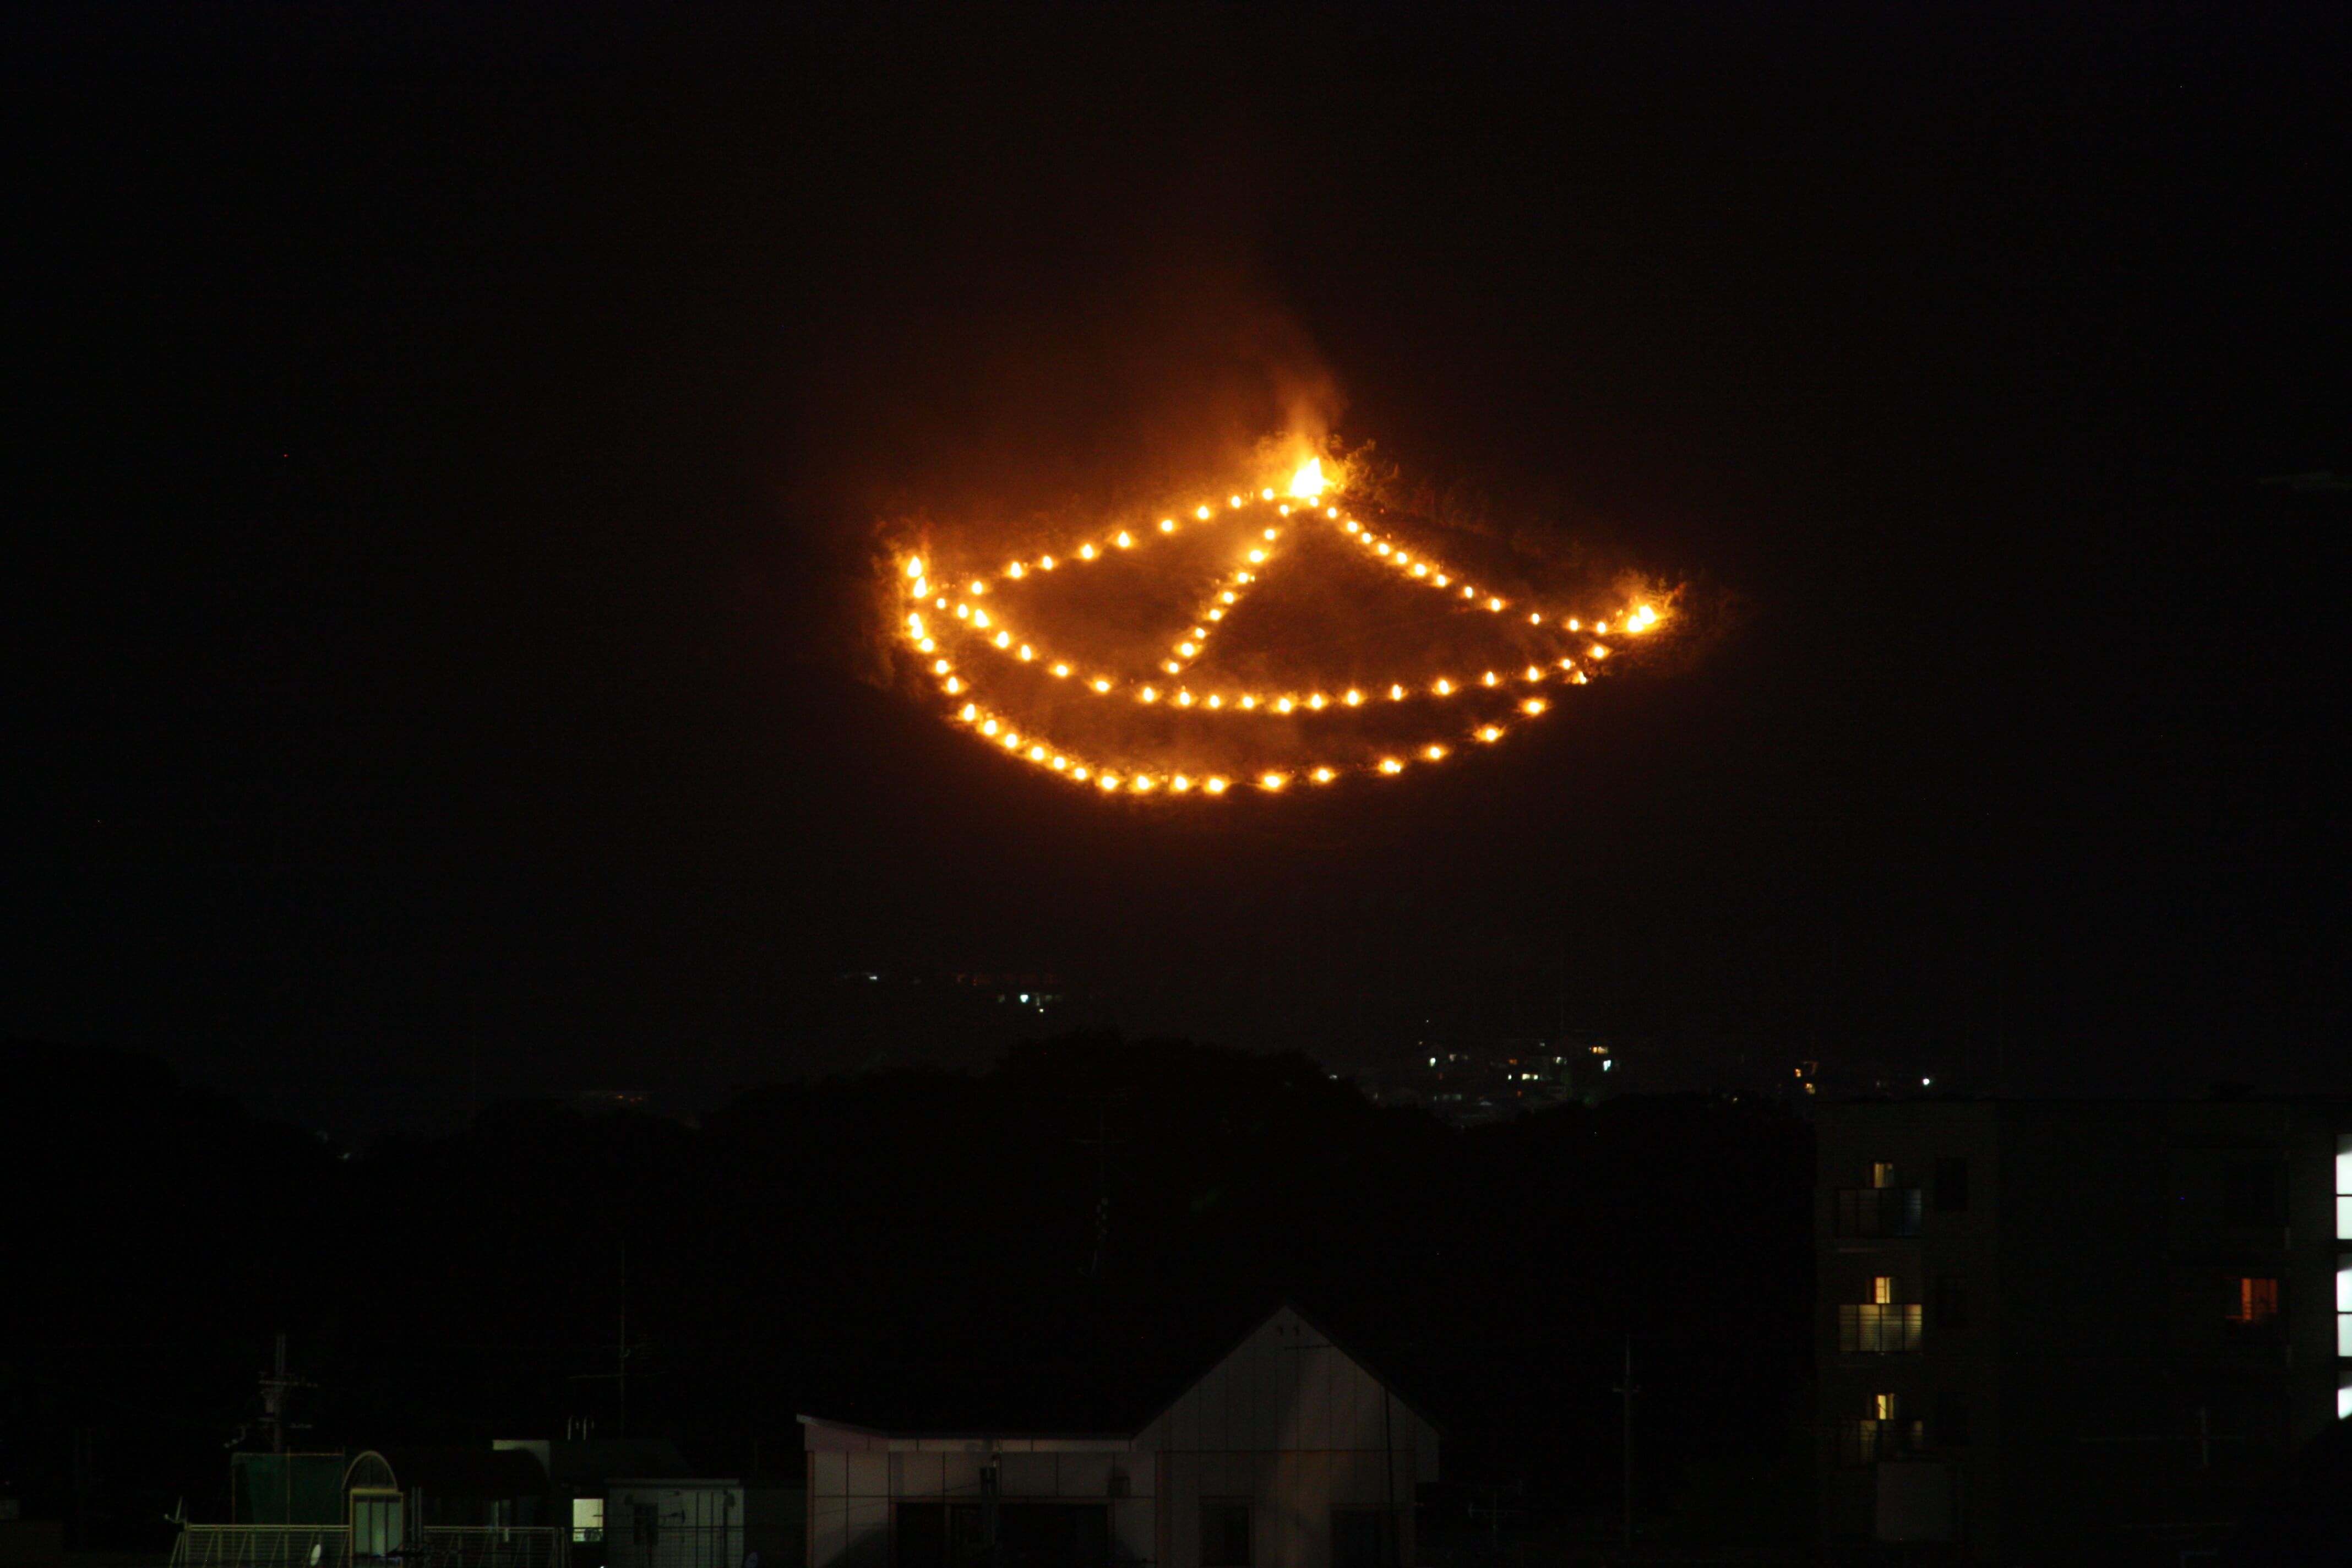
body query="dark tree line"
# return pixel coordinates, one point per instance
(1079, 1224)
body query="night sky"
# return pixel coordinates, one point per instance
(449, 458)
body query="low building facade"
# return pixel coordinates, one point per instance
(1286, 1453)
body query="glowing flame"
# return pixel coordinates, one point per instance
(963, 621)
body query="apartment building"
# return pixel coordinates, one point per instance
(2069, 1329)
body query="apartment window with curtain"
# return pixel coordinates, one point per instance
(2255, 1302)
(1881, 1325)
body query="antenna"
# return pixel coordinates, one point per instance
(278, 1386)
(624, 1350)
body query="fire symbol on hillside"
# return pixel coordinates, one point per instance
(1312, 691)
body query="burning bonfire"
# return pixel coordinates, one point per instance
(1116, 722)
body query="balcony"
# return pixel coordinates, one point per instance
(1878, 1211)
(1866, 1442)
(1888, 1327)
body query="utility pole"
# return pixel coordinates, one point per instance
(1101, 1143)
(1627, 1389)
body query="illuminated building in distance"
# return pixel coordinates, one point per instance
(2046, 1330)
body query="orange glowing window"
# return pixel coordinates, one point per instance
(2257, 1301)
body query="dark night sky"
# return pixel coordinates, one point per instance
(448, 453)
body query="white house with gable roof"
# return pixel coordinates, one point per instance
(1286, 1453)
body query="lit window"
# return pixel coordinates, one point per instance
(587, 1518)
(2344, 1310)
(1880, 1327)
(1882, 1174)
(2257, 1301)
(2344, 1187)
